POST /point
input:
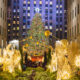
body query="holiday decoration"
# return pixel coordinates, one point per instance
(36, 39)
(53, 64)
(47, 33)
(10, 59)
(26, 45)
(77, 61)
(63, 66)
(65, 75)
(30, 37)
(37, 43)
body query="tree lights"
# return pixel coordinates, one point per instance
(36, 39)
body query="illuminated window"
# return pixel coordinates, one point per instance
(56, 6)
(14, 28)
(17, 22)
(17, 16)
(24, 27)
(46, 2)
(56, 29)
(46, 27)
(60, 29)
(28, 2)
(14, 16)
(17, 28)
(14, 10)
(28, 8)
(40, 2)
(14, 22)
(28, 14)
(50, 27)
(60, 6)
(9, 24)
(8, 30)
(34, 2)
(65, 30)
(57, 11)
(60, 11)
(24, 2)
(50, 2)
(18, 10)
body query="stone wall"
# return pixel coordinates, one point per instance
(3, 22)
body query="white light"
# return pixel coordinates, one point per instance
(37, 10)
(46, 27)
(50, 27)
(65, 75)
(58, 43)
(77, 61)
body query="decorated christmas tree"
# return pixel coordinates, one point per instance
(37, 39)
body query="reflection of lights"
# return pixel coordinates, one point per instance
(65, 75)
(77, 61)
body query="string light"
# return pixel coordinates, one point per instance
(10, 59)
(65, 75)
(77, 61)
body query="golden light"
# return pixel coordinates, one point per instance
(47, 33)
(77, 61)
(37, 43)
(1, 60)
(27, 45)
(65, 75)
(10, 59)
(11, 69)
(49, 66)
(30, 37)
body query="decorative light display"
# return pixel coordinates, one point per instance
(30, 37)
(47, 33)
(37, 10)
(77, 61)
(27, 45)
(53, 64)
(65, 75)
(63, 66)
(10, 59)
(36, 39)
(37, 43)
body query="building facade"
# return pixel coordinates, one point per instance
(74, 20)
(3, 23)
(53, 13)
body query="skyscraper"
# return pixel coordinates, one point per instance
(74, 20)
(3, 23)
(53, 13)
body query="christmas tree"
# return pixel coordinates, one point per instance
(37, 39)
